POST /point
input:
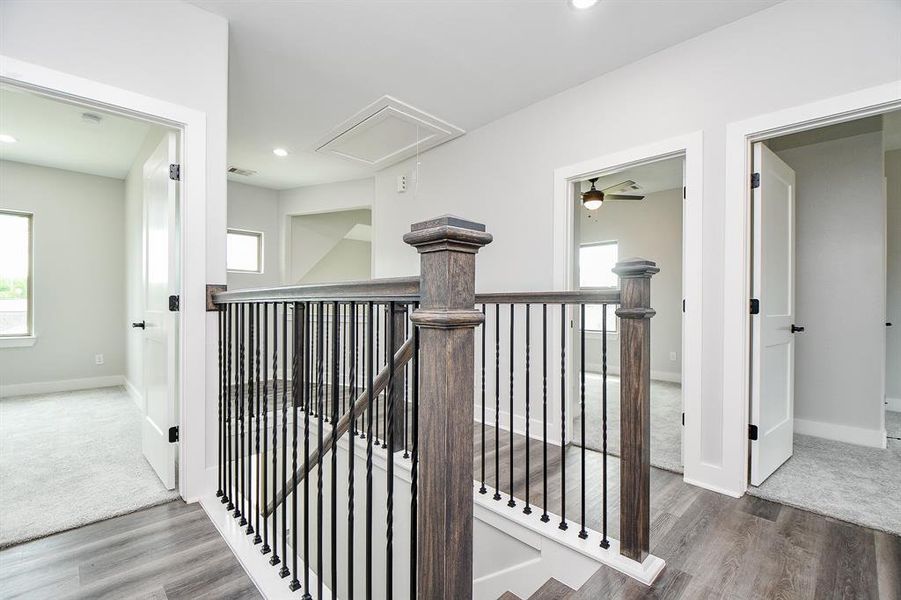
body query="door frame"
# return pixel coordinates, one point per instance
(734, 471)
(691, 147)
(194, 480)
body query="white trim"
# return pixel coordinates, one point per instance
(134, 393)
(874, 438)
(732, 472)
(61, 385)
(19, 341)
(893, 404)
(691, 146)
(519, 424)
(193, 321)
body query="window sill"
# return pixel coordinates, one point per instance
(24, 341)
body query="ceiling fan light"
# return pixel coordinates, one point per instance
(593, 198)
(592, 203)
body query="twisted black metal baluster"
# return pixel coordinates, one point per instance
(320, 399)
(406, 392)
(285, 571)
(221, 451)
(342, 309)
(583, 533)
(248, 450)
(483, 327)
(511, 502)
(528, 509)
(369, 441)
(563, 325)
(242, 457)
(414, 473)
(296, 385)
(336, 308)
(265, 549)
(544, 516)
(605, 543)
(387, 398)
(255, 323)
(229, 494)
(308, 370)
(351, 439)
(497, 402)
(389, 438)
(274, 560)
(376, 357)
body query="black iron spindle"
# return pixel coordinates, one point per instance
(308, 369)
(221, 439)
(563, 326)
(274, 559)
(406, 390)
(352, 382)
(229, 417)
(255, 323)
(296, 383)
(387, 398)
(528, 509)
(511, 502)
(319, 441)
(377, 357)
(583, 533)
(336, 308)
(389, 438)
(284, 571)
(483, 327)
(605, 543)
(497, 402)
(414, 473)
(242, 457)
(248, 455)
(265, 549)
(369, 356)
(544, 516)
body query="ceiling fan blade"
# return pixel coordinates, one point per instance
(621, 197)
(619, 186)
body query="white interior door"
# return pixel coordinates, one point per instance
(772, 339)
(160, 333)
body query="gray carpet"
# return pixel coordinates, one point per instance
(893, 424)
(666, 420)
(852, 483)
(69, 459)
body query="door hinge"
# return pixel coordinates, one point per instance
(175, 172)
(684, 192)
(683, 419)
(173, 434)
(755, 306)
(683, 304)
(752, 432)
(755, 180)
(174, 303)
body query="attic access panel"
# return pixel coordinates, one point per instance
(386, 132)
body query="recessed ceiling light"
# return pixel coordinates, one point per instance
(582, 4)
(280, 152)
(7, 139)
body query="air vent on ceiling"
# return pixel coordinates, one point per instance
(240, 171)
(387, 132)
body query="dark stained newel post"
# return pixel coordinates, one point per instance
(635, 313)
(446, 317)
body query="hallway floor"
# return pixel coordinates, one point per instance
(71, 458)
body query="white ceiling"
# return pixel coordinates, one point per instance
(298, 69)
(52, 133)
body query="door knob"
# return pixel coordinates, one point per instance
(796, 329)
(141, 324)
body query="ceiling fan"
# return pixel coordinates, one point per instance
(593, 198)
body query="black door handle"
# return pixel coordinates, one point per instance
(796, 329)
(141, 324)
(888, 324)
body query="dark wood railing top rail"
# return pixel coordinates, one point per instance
(395, 289)
(606, 296)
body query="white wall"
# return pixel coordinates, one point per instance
(256, 209)
(651, 228)
(169, 51)
(79, 265)
(502, 174)
(840, 284)
(893, 316)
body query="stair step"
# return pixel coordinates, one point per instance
(509, 596)
(552, 590)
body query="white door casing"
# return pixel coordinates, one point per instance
(772, 340)
(161, 325)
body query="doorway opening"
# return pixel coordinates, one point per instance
(641, 215)
(89, 349)
(826, 292)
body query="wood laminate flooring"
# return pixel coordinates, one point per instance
(167, 552)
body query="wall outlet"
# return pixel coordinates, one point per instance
(98, 359)
(672, 356)
(401, 184)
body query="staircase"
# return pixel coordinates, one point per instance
(551, 590)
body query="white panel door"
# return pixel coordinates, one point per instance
(160, 333)
(772, 338)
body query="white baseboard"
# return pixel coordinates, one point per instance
(134, 393)
(893, 404)
(63, 385)
(592, 367)
(874, 438)
(536, 431)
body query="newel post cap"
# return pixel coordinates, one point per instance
(636, 267)
(448, 232)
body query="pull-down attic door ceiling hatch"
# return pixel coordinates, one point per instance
(387, 132)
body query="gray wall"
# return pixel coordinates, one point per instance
(256, 209)
(840, 282)
(79, 265)
(650, 228)
(893, 334)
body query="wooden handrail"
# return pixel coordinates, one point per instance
(599, 296)
(401, 358)
(397, 289)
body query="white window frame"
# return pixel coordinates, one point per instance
(259, 235)
(17, 340)
(612, 323)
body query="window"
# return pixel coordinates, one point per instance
(244, 251)
(596, 262)
(15, 274)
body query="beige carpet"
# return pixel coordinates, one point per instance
(69, 459)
